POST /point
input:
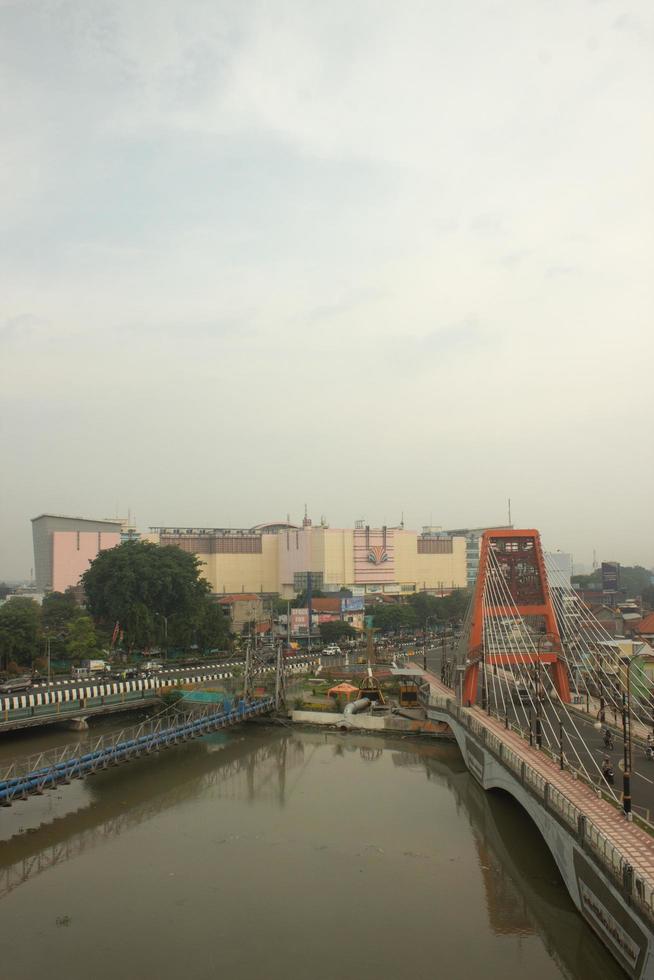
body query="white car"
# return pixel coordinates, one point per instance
(331, 651)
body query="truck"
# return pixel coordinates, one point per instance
(88, 668)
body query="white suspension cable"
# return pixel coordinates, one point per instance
(560, 705)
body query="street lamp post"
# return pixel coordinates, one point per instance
(626, 735)
(165, 622)
(539, 733)
(561, 759)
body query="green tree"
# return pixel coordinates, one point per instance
(141, 585)
(213, 630)
(57, 611)
(20, 631)
(336, 630)
(426, 608)
(634, 580)
(394, 617)
(81, 643)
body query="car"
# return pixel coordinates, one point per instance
(16, 684)
(150, 667)
(332, 650)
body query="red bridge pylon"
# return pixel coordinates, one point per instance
(512, 588)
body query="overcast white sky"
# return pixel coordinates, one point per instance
(375, 256)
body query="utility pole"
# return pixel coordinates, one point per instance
(309, 604)
(280, 680)
(626, 735)
(539, 734)
(561, 757)
(247, 679)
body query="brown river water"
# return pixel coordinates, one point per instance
(276, 853)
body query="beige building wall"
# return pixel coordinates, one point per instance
(244, 572)
(337, 556)
(429, 571)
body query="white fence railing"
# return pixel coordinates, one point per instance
(634, 883)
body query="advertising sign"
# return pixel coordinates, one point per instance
(610, 576)
(355, 604)
(374, 588)
(299, 620)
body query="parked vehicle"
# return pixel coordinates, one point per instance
(332, 650)
(150, 666)
(88, 668)
(16, 684)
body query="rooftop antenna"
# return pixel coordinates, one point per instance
(510, 525)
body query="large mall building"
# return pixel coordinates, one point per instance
(277, 558)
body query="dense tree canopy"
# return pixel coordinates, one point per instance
(393, 618)
(57, 611)
(439, 609)
(81, 641)
(20, 631)
(336, 630)
(634, 580)
(149, 590)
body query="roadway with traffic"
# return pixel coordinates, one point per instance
(583, 735)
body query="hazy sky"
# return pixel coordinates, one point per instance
(375, 256)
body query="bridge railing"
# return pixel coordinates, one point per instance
(636, 886)
(47, 769)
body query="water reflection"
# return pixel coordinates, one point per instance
(523, 891)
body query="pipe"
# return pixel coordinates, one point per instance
(354, 707)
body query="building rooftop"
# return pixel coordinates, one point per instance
(88, 520)
(239, 597)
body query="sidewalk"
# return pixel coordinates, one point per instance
(635, 845)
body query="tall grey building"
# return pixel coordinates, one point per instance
(46, 526)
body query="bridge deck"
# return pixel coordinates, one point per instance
(634, 844)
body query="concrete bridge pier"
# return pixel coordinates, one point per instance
(77, 724)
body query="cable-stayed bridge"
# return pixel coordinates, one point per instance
(533, 686)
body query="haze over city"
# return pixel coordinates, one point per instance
(383, 259)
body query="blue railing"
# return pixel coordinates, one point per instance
(59, 766)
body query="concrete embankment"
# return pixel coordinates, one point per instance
(390, 723)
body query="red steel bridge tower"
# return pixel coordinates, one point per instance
(513, 620)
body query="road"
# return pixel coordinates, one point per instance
(583, 739)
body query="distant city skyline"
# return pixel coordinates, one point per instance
(22, 572)
(380, 258)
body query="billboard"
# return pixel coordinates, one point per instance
(355, 604)
(299, 620)
(610, 576)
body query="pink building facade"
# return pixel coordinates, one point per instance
(73, 552)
